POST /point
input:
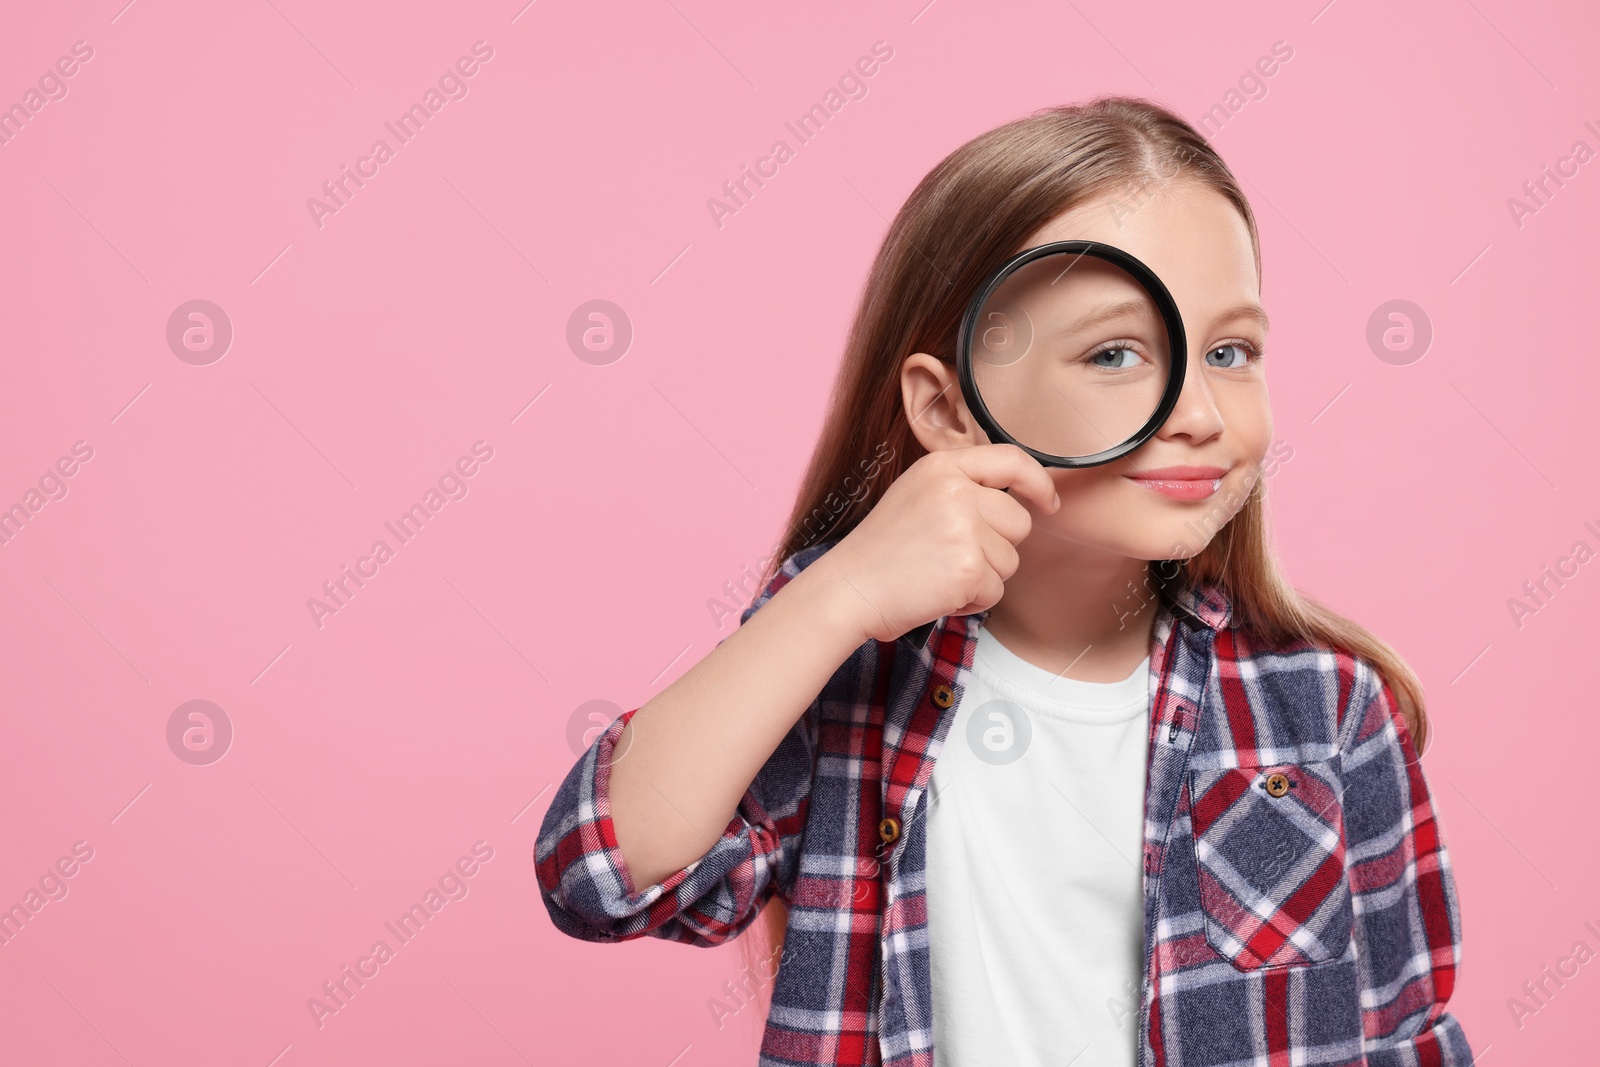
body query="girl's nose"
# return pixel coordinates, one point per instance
(1196, 415)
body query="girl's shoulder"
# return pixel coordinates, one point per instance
(1299, 692)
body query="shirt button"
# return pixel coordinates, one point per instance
(889, 830)
(1277, 784)
(942, 696)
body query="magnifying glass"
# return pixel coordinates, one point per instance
(1074, 352)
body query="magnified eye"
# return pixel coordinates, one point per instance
(1118, 357)
(1070, 349)
(1233, 356)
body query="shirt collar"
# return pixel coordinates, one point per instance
(1208, 603)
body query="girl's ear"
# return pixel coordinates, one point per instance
(938, 412)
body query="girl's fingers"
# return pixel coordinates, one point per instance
(1007, 467)
(1001, 553)
(1002, 558)
(1005, 515)
(993, 589)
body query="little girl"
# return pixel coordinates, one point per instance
(1136, 800)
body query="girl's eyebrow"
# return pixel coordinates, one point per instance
(1106, 312)
(1103, 313)
(1246, 311)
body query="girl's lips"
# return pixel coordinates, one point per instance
(1181, 488)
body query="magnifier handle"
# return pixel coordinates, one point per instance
(919, 636)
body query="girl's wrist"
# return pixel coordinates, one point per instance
(835, 603)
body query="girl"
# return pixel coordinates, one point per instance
(1136, 800)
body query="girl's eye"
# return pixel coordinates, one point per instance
(1234, 355)
(1115, 357)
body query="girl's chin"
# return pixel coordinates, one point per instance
(1146, 541)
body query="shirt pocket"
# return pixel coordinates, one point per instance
(1269, 850)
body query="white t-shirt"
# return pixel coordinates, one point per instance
(1035, 838)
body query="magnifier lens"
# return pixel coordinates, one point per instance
(1070, 355)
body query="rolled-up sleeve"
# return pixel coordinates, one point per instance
(1408, 919)
(584, 879)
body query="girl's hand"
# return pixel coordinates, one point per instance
(942, 540)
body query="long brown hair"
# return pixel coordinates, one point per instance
(963, 220)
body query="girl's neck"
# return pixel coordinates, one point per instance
(1077, 612)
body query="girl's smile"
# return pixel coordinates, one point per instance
(1186, 482)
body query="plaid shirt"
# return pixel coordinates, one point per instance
(1299, 906)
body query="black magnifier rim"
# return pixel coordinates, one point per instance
(1164, 303)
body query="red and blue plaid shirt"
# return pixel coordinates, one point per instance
(1304, 919)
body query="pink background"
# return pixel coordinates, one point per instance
(369, 353)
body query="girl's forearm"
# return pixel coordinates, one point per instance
(689, 754)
